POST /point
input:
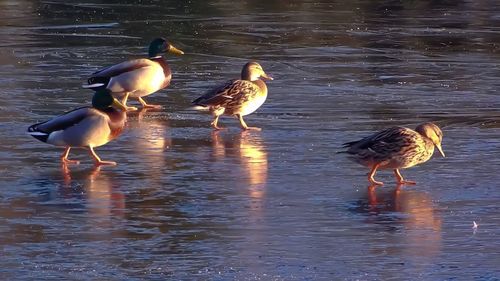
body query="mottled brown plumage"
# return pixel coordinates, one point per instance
(396, 148)
(238, 97)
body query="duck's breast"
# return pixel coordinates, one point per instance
(416, 153)
(256, 100)
(116, 124)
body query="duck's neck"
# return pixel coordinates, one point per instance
(117, 119)
(429, 145)
(262, 85)
(115, 115)
(167, 72)
(155, 56)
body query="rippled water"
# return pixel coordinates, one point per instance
(185, 203)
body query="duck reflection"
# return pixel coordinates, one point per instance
(148, 134)
(408, 211)
(254, 161)
(251, 169)
(252, 155)
(72, 195)
(219, 148)
(104, 200)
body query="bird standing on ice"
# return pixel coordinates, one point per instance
(86, 127)
(139, 77)
(238, 97)
(396, 148)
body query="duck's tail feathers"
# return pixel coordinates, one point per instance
(96, 82)
(199, 107)
(347, 146)
(37, 134)
(93, 86)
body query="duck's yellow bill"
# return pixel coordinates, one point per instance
(265, 76)
(119, 105)
(440, 149)
(175, 51)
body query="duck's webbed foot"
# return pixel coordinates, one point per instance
(244, 125)
(400, 179)
(64, 157)
(147, 105)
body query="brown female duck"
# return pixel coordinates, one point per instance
(238, 97)
(396, 148)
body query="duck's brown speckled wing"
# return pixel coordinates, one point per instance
(384, 144)
(231, 94)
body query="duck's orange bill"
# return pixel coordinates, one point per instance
(440, 149)
(268, 77)
(175, 51)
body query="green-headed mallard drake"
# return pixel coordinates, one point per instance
(86, 127)
(139, 77)
(237, 97)
(396, 148)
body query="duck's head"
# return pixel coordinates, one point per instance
(103, 99)
(160, 45)
(253, 71)
(432, 132)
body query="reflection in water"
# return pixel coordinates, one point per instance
(252, 156)
(149, 137)
(104, 201)
(410, 212)
(104, 207)
(86, 197)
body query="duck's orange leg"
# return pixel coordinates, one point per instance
(98, 160)
(372, 195)
(124, 102)
(244, 125)
(64, 157)
(372, 174)
(217, 112)
(400, 179)
(147, 105)
(214, 123)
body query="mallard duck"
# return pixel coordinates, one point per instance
(396, 148)
(139, 77)
(236, 97)
(87, 127)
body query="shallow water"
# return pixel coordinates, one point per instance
(185, 203)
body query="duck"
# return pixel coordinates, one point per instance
(396, 148)
(137, 78)
(238, 97)
(84, 127)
